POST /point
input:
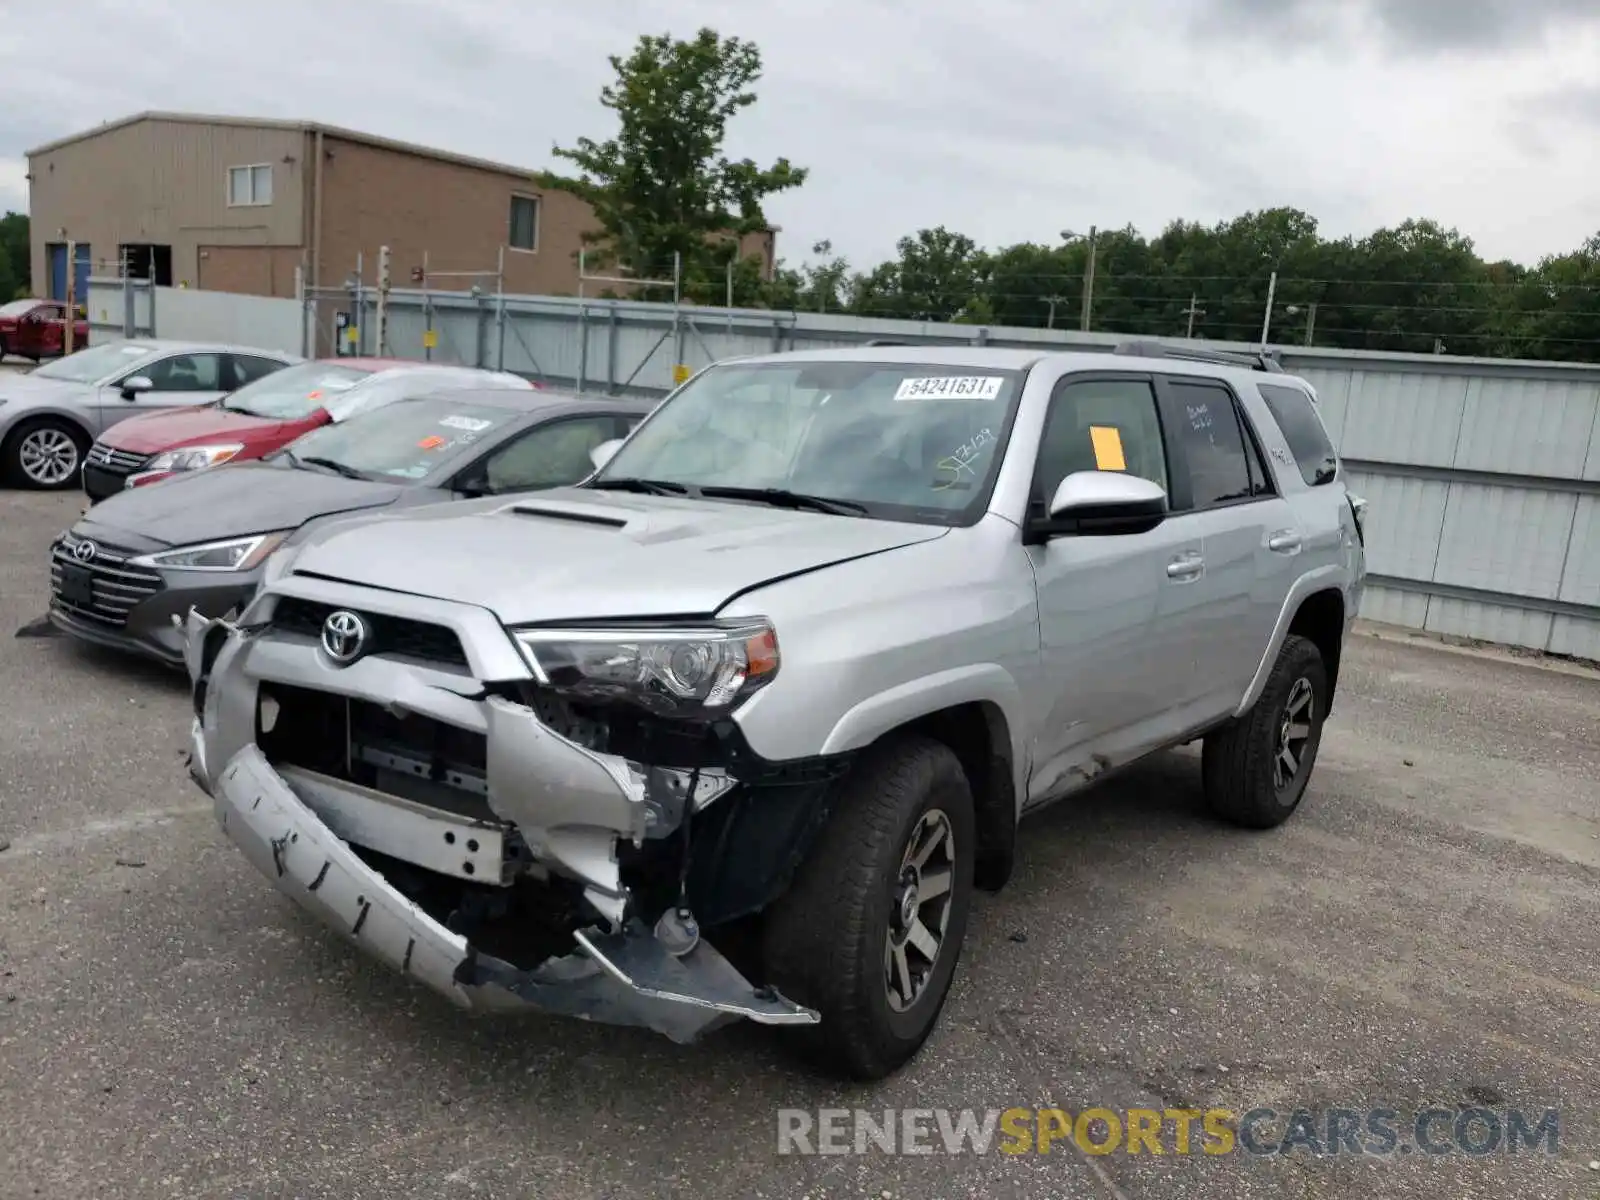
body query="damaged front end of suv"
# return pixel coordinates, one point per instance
(559, 819)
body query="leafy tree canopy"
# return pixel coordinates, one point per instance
(663, 186)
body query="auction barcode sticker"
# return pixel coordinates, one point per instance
(949, 387)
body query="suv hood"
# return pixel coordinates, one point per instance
(572, 554)
(152, 432)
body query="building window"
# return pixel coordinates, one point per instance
(249, 186)
(524, 223)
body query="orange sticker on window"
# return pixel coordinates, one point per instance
(1107, 441)
(432, 442)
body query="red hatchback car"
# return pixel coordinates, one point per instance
(262, 416)
(38, 329)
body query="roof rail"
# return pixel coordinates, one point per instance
(1256, 360)
(888, 342)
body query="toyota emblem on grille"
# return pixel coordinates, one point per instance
(344, 636)
(85, 551)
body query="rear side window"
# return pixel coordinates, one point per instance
(1206, 430)
(1302, 428)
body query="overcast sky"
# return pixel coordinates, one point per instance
(1008, 120)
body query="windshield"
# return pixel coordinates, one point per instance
(95, 363)
(294, 392)
(403, 440)
(17, 308)
(904, 441)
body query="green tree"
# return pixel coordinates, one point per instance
(15, 268)
(662, 186)
(822, 286)
(934, 278)
(1555, 311)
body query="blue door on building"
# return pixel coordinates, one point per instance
(58, 270)
(57, 253)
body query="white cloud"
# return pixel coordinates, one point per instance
(1008, 121)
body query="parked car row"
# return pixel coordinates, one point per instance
(726, 709)
(136, 564)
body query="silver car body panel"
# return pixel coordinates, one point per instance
(1089, 652)
(97, 405)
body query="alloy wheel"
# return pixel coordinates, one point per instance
(1294, 734)
(920, 913)
(48, 457)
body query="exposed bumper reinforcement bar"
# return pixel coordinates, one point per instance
(625, 978)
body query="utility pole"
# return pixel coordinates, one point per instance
(382, 316)
(1194, 310)
(72, 298)
(1311, 321)
(1088, 285)
(1050, 320)
(1266, 320)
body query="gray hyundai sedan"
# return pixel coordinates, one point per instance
(126, 574)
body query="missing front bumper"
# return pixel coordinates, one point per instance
(624, 978)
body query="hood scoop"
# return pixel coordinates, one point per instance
(577, 517)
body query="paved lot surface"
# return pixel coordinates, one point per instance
(1424, 933)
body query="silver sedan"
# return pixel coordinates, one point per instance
(49, 417)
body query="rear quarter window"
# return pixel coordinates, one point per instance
(1302, 428)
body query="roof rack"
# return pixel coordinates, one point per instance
(1259, 360)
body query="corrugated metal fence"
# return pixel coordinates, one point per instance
(1483, 475)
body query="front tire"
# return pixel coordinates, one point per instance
(870, 931)
(1256, 768)
(45, 453)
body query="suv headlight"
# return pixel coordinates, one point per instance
(193, 458)
(233, 554)
(680, 671)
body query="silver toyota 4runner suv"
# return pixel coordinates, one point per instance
(735, 727)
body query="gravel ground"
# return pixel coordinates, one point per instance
(1422, 934)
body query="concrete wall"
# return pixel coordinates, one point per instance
(116, 311)
(1483, 475)
(166, 182)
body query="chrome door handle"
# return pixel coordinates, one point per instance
(1284, 542)
(1185, 568)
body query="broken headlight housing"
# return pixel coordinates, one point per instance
(676, 671)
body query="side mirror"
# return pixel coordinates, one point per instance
(602, 453)
(136, 385)
(1103, 503)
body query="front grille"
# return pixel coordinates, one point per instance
(102, 589)
(409, 755)
(115, 462)
(399, 637)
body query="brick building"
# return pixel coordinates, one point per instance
(235, 204)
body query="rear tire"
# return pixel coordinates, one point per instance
(1255, 769)
(44, 453)
(851, 936)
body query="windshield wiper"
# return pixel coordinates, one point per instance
(784, 498)
(338, 468)
(650, 487)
